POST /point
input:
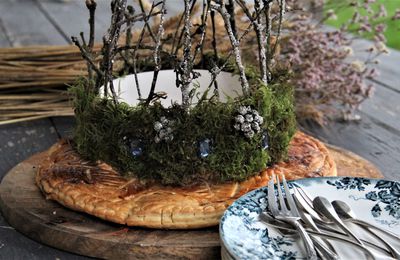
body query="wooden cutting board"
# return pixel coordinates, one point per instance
(25, 208)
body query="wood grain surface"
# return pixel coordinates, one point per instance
(25, 208)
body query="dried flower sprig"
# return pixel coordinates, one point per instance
(329, 80)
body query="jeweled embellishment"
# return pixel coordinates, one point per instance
(248, 121)
(136, 148)
(265, 141)
(164, 130)
(204, 148)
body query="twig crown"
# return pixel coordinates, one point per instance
(188, 41)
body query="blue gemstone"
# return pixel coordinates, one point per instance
(204, 148)
(265, 141)
(136, 148)
(136, 151)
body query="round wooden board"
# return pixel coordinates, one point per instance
(26, 209)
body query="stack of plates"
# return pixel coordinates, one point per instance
(225, 255)
(244, 236)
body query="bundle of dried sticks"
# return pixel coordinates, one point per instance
(33, 81)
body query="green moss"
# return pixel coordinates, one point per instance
(103, 131)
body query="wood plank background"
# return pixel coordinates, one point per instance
(38, 22)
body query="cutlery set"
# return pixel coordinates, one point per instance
(319, 222)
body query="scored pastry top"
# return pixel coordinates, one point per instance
(99, 190)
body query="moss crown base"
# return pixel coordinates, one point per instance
(185, 147)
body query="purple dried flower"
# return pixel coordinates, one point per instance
(365, 27)
(381, 13)
(380, 28)
(396, 15)
(326, 76)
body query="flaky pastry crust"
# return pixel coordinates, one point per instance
(95, 188)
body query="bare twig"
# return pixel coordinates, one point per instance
(282, 9)
(157, 54)
(128, 46)
(214, 46)
(87, 56)
(186, 64)
(138, 17)
(129, 24)
(214, 40)
(235, 45)
(146, 20)
(230, 8)
(176, 33)
(140, 47)
(83, 39)
(215, 72)
(110, 41)
(268, 29)
(138, 44)
(203, 27)
(91, 5)
(261, 40)
(178, 46)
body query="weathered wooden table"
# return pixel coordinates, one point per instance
(34, 22)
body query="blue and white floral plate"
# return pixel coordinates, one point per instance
(244, 236)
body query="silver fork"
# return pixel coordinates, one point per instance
(291, 215)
